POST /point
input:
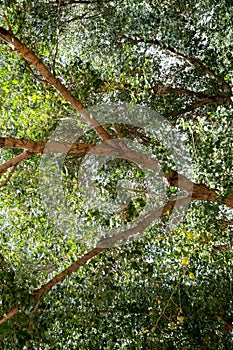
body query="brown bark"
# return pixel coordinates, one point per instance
(164, 89)
(32, 58)
(111, 147)
(13, 311)
(4, 183)
(204, 193)
(39, 293)
(193, 107)
(13, 162)
(115, 148)
(38, 147)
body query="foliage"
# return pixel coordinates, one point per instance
(170, 285)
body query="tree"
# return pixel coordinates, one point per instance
(70, 274)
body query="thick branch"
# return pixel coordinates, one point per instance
(204, 194)
(32, 58)
(39, 293)
(145, 222)
(38, 147)
(114, 148)
(197, 191)
(34, 75)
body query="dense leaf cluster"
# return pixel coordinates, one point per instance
(169, 287)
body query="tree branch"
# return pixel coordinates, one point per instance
(38, 147)
(194, 61)
(13, 162)
(33, 73)
(32, 58)
(192, 107)
(145, 221)
(84, 16)
(200, 192)
(13, 311)
(162, 89)
(4, 183)
(38, 294)
(115, 148)
(204, 99)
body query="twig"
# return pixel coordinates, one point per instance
(7, 22)
(165, 307)
(192, 107)
(163, 89)
(35, 309)
(57, 36)
(194, 61)
(84, 17)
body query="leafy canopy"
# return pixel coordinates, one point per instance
(170, 286)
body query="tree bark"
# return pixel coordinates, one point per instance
(32, 58)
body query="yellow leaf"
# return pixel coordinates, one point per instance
(172, 325)
(185, 260)
(145, 330)
(180, 319)
(190, 235)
